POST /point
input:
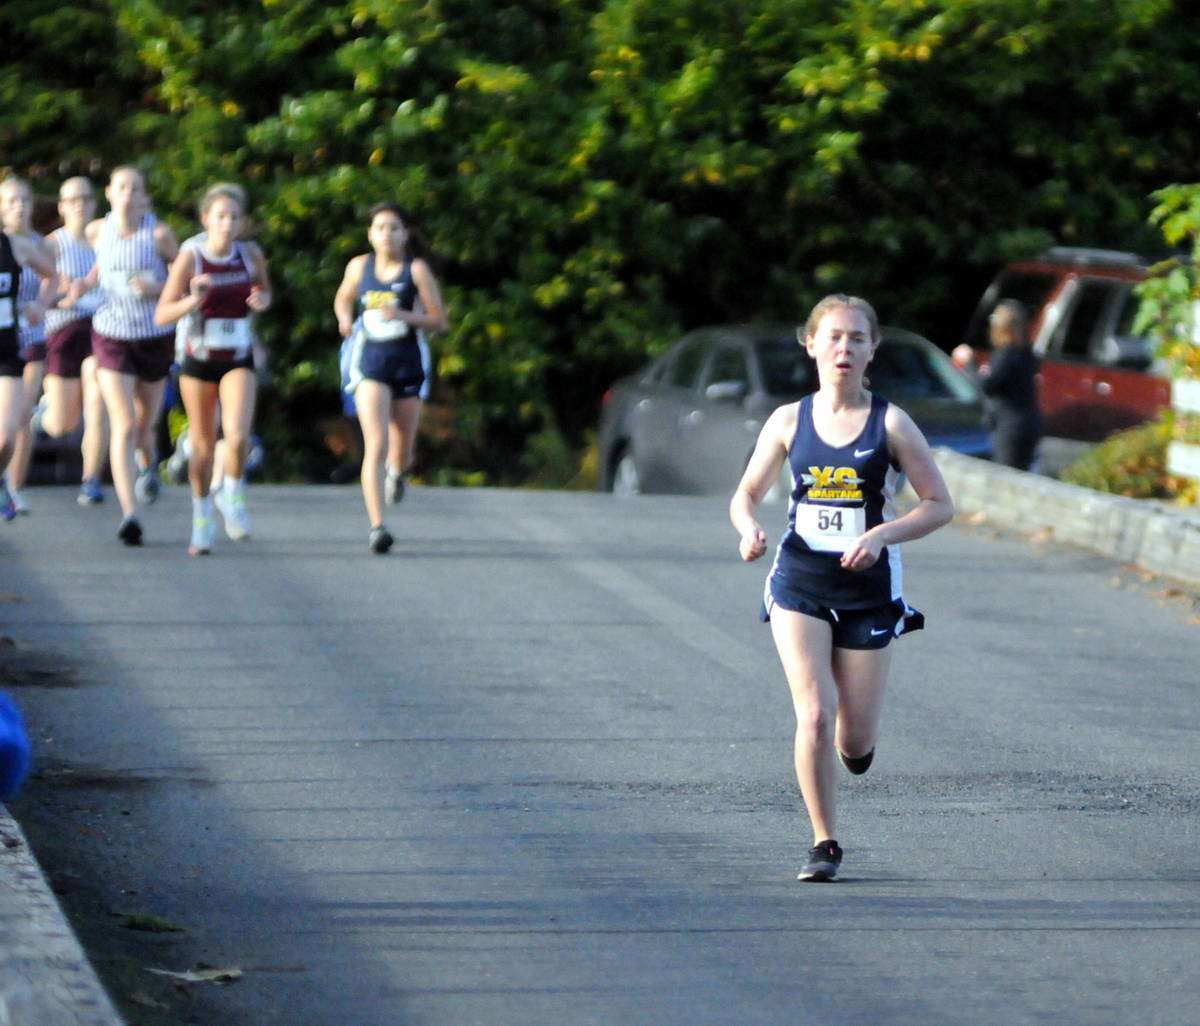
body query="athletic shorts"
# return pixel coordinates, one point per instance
(395, 364)
(67, 348)
(213, 371)
(147, 359)
(33, 352)
(852, 628)
(11, 364)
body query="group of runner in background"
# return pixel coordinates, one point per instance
(95, 316)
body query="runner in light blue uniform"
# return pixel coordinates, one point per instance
(834, 593)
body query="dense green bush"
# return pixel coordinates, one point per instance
(598, 175)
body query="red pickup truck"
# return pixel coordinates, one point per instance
(1096, 377)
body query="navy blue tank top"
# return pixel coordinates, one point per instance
(10, 280)
(838, 492)
(375, 295)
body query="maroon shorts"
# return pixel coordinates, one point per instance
(67, 348)
(147, 359)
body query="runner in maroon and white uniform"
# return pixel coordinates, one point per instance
(133, 354)
(71, 388)
(216, 286)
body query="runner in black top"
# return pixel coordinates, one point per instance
(833, 597)
(385, 299)
(16, 253)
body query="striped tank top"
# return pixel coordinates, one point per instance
(75, 259)
(27, 292)
(122, 314)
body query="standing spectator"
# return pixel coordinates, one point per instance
(385, 299)
(1009, 380)
(71, 388)
(216, 285)
(133, 354)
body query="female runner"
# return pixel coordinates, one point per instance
(834, 596)
(16, 253)
(216, 285)
(133, 354)
(394, 294)
(34, 297)
(71, 387)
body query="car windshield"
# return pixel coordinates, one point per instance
(786, 367)
(901, 369)
(904, 370)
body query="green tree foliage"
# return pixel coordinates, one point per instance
(596, 176)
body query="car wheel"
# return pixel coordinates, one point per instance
(626, 479)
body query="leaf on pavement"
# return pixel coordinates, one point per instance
(200, 975)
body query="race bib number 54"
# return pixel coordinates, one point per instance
(829, 528)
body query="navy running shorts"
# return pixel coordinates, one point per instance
(11, 364)
(869, 628)
(395, 364)
(213, 371)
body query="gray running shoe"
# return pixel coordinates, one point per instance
(823, 862)
(130, 531)
(857, 764)
(146, 487)
(393, 487)
(381, 540)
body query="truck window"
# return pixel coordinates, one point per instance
(1083, 324)
(1031, 288)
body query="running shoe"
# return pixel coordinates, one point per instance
(7, 509)
(203, 530)
(237, 517)
(18, 501)
(822, 864)
(147, 485)
(130, 531)
(857, 764)
(393, 487)
(381, 540)
(90, 492)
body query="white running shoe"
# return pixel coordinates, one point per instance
(18, 501)
(237, 517)
(203, 531)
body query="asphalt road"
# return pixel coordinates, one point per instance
(534, 767)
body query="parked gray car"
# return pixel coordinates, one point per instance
(688, 422)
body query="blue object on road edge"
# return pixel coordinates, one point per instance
(16, 753)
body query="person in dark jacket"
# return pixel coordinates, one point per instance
(1009, 380)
